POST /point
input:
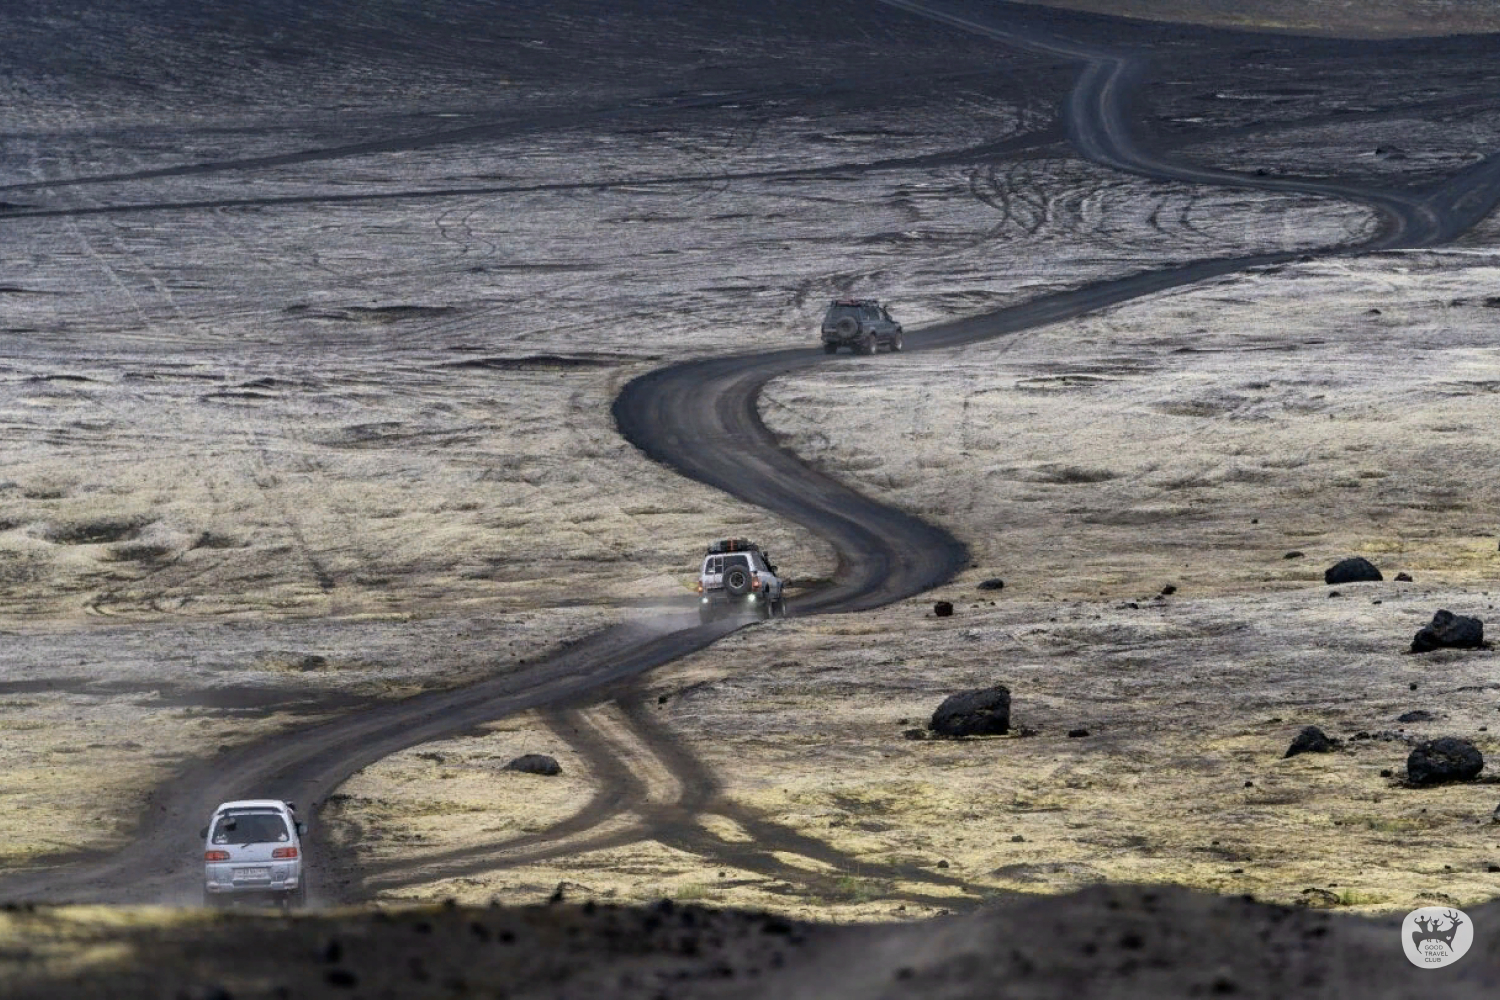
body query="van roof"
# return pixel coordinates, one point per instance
(276, 804)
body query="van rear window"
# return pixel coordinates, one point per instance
(250, 828)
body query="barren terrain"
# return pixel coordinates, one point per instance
(307, 357)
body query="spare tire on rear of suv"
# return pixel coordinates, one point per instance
(846, 327)
(736, 581)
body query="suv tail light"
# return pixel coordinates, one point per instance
(699, 585)
(215, 855)
(755, 583)
(284, 852)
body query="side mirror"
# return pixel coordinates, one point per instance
(203, 833)
(301, 828)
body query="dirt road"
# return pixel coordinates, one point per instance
(700, 418)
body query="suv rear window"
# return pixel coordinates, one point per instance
(718, 564)
(835, 311)
(250, 828)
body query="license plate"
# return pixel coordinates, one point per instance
(252, 874)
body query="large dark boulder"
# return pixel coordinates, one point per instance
(1445, 759)
(535, 763)
(1354, 570)
(1449, 631)
(1310, 740)
(981, 712)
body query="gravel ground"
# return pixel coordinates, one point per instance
(305, 389)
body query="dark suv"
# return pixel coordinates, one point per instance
(862, 325)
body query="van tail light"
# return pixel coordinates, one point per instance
(284, 852)
(755, 583)
(215, 855)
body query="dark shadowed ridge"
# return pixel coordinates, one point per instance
(700, 419)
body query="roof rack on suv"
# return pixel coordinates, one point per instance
(852, 302)
(732, 545)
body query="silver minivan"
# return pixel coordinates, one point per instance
(252, 851)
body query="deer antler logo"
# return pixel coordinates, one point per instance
(1431, 929)
(1435, 936)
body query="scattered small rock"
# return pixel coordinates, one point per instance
(980, 712)
(915, 734)
(942, 864)
(1018, 839)
(1169, 590)
(1449, 631)
(1495, 816)
(1294, 554)
(1310, 740)
(1386, 772)
(1319, 897)
(1334, 593)
(993, 583)
(1355, 569)
(1403, 578)
(1415, 715)
(943, 609)
(1076, 733)
(1444, 759)
(341, 977)
(535, 763)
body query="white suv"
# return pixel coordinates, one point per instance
(737, 575)
(253, 850)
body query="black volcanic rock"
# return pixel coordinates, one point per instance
(943, 609)
(981, 712)
(1444, 759)
(1310, 740)
(1449, 631)
(535, 763)
(993, 583)
(1353, 570)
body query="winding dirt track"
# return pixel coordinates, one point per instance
(700, 418)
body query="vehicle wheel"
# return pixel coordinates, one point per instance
(737, 581)
(867, 344)
(896, 344)
(830, 348)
